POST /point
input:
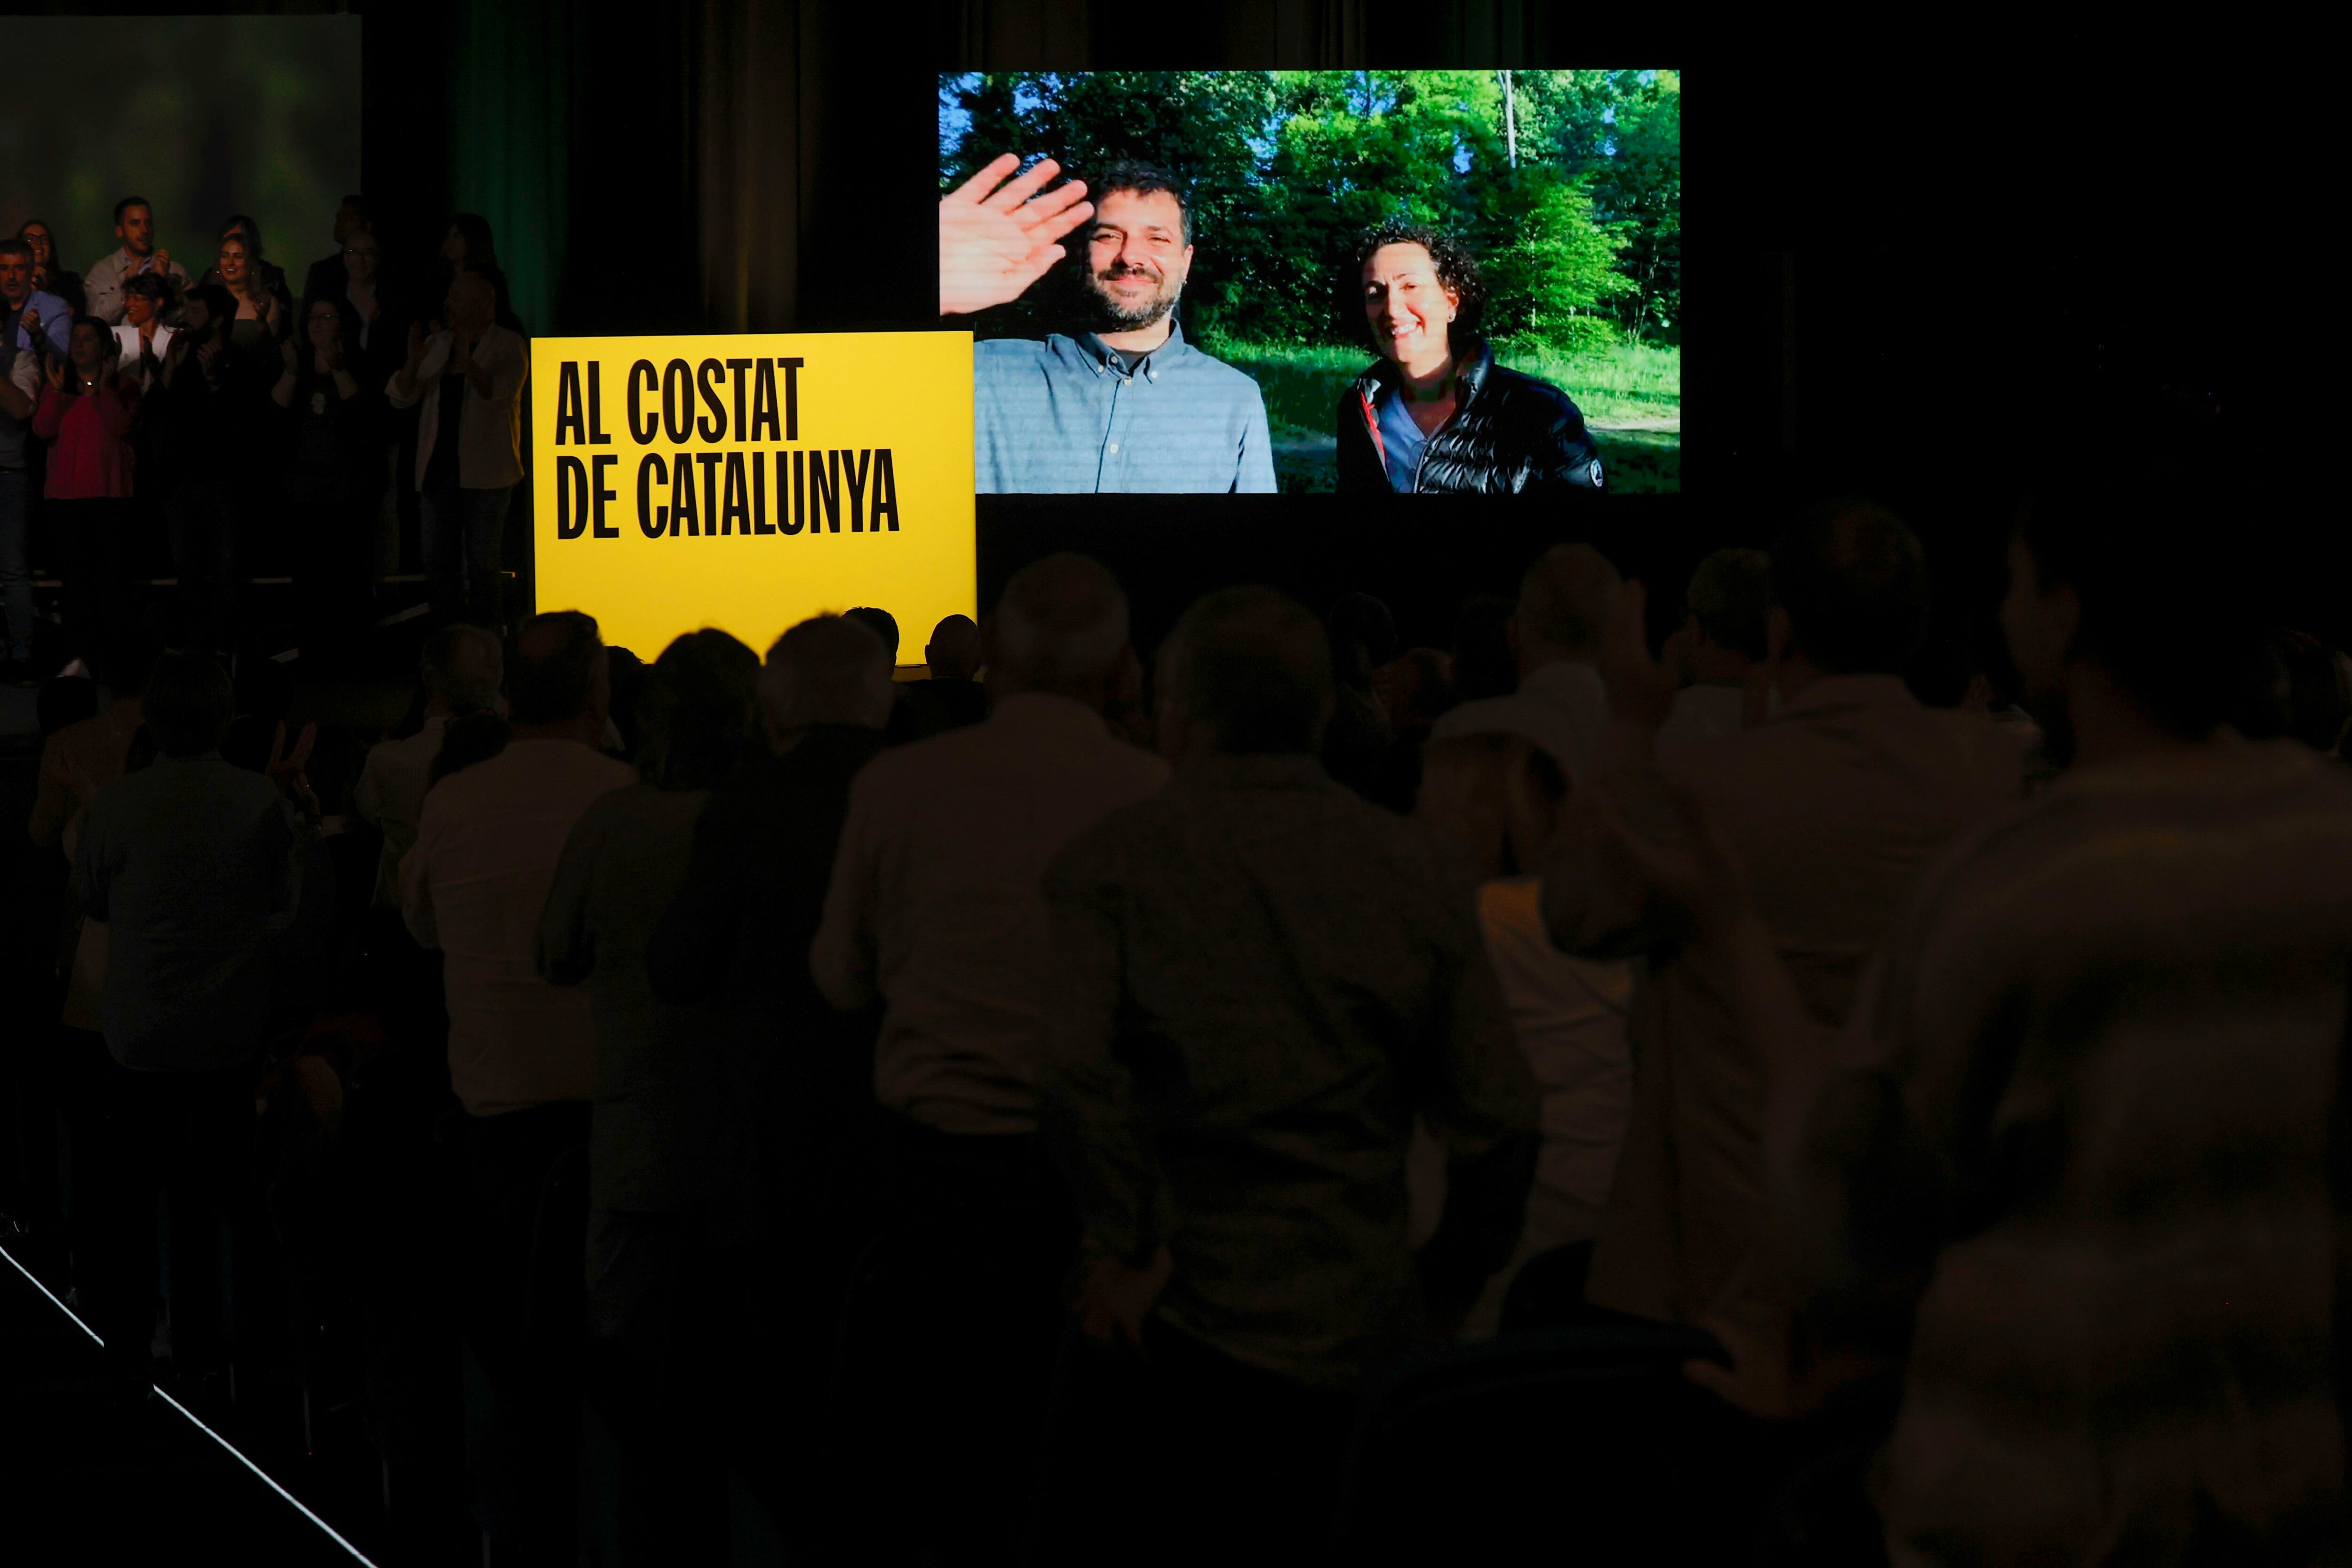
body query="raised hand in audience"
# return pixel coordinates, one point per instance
(1641, 688)
(1773, 1376)
(285, 769)
(994, 243)
(1114, 1297)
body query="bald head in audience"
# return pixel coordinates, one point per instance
(829, 670)
(953, 652)
(1061, 630)
(1564, 603)
(1247, 672)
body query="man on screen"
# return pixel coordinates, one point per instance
(1124, 403)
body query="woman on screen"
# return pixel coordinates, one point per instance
(1436, 414)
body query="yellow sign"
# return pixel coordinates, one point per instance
(750, 482)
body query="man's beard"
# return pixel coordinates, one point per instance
(1110, 314)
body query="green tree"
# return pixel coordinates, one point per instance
(1548, 265)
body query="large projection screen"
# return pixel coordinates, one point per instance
(204, 116)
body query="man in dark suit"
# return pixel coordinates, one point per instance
(953, 659)
(797, 1166)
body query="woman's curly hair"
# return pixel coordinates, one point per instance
(1457, 270)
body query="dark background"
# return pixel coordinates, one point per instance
(1914, 262)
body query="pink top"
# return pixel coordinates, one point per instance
(89, 441)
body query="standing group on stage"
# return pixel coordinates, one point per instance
(219, 428)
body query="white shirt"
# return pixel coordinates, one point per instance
(126, 340)
(1706, 711)
(1562, 707)
(487, 847)
(390, 795)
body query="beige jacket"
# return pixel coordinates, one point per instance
(489, 431)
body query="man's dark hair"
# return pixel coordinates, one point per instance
(252, 233)
(1482, 665)
(13, 246)
(695, 712)
(883, 624)
(357, 203)
(1363, 637)
(187, 703)
(1731, 597)
(2172, 602)
(1853, 581)
(1457, 270)
(1253, 665)
(552, 667)
(123, 660)
(219, 303)
(1143, 179)
(126, 203)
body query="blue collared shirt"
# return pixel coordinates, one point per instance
(1071, 414)
(55, 317)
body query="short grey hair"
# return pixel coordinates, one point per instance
(463, 667)
(1061, 622)
(1564, 598)
(1253, 665)
(829, 670)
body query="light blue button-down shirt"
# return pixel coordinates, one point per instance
(55, 315)
(1070, 415)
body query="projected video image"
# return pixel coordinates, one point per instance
(1418, 282)
(203, 116)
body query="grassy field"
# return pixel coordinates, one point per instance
(1628, 386)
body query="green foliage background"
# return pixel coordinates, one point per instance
(202, 115)
(1580, 240)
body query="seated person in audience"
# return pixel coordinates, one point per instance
(1555, 640)
(523, 1053)
(33, 318)
(461, 670)
(1838, 803)
(137, 256)
(1718, 647)
(935, 911)
(2076, 1169)
(1497, 798)
(198, 870)
(140, 338)
(952, 659)
(1263, 980)
(49, 274)
(658, 1100)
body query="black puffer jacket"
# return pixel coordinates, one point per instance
(1511, 435)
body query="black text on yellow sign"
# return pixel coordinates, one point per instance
(838, 468)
